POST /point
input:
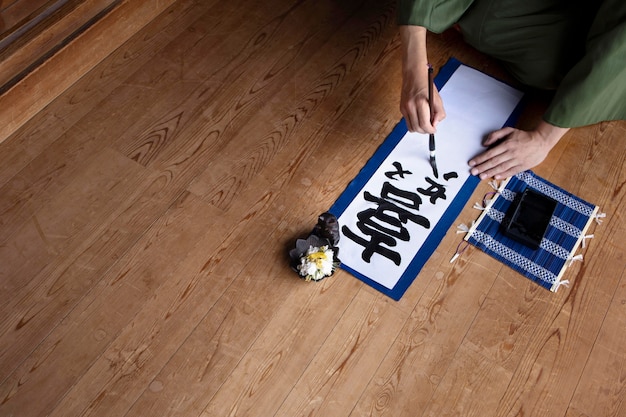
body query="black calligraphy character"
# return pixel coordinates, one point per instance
(436, 190)
(374, 244)
(390, 199)
(399, 171)
(385, 223)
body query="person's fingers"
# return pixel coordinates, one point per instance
(499, 169)
(439, 112)
(417, 117)
(408, 111)
(438, 117)
(477, 162)
(514, 169)
(495, 162)
(424, 120)
(407, 118)
(415, 109)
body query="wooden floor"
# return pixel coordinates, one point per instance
(145, 216)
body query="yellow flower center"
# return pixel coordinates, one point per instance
(318, 258)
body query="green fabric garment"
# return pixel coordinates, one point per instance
(576, 47)
(436, 16)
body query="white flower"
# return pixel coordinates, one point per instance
(317, 263)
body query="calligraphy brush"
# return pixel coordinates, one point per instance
(431, 137)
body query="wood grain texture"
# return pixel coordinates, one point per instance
(40, 35)
(147, 209)
(40, 87)
(16, 13)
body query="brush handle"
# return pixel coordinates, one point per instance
(431, 138)
(430, 91)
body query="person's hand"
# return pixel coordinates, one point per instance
(517, 150)
(414, 104)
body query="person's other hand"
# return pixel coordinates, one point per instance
(517, 150)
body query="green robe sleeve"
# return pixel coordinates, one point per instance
(543, 44)
(434, 15)
(594, 90)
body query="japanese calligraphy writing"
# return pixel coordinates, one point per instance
(399, 171)
(382, 226)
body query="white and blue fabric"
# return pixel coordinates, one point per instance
(566, 231)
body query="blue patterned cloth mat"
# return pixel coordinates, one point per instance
(565, 233)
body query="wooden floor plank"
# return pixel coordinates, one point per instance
(102, 314)
(291, 338)
(38, 292)
(66, 125)
(313, 91)
(472, 386)
(601, 390)
(187, 91)
(420, 357)
(333, 381)
(168, 317)
(260, 290)
(280, 175)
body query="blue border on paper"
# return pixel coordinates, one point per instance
(444, 223)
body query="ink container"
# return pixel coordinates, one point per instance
(528, 218)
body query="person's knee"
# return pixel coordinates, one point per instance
(536, 45)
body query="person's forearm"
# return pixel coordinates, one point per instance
(414, 55)
(550, 133)
(421, 112)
